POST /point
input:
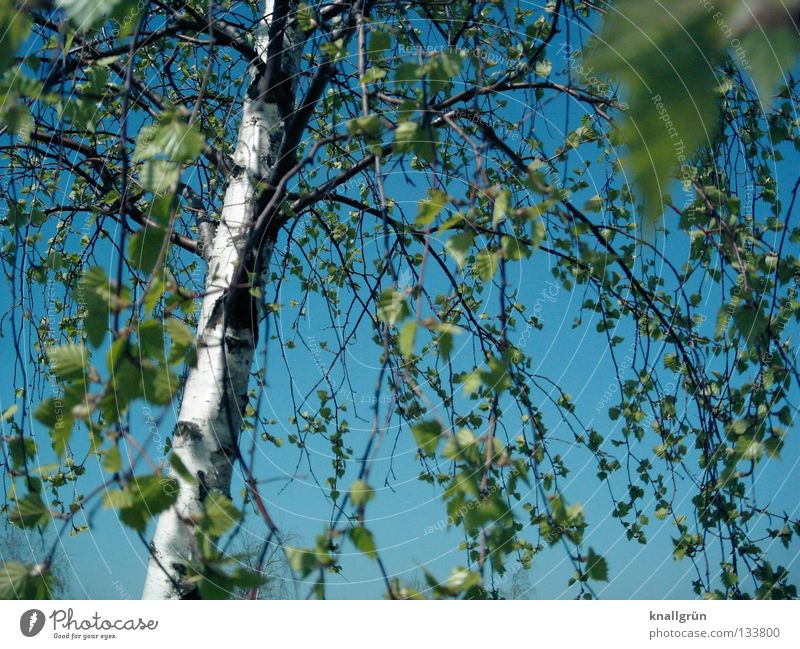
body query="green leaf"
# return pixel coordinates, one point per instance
(771, 53)
(142, 498)
(180, 468)
(407, 72)
(750, 322)
(18, 118)
(112, 462)
(85, 14)
(154, 294)
(748, 448)
(161, 385)
(61, 435)
(126, 383)
(150, 333)
(21, 449)
(486, 264)
(15, 25)
(18, 581)
(29, 511)
(306, 18)
(220, 514)
(145, 246)
(214, 585)
(301, 560)
(427, 434)
(13, 580)
(596, 566)
(369, 126)
(94, 290)
(373, 74)
(445, 345)
(217, 584)
(440, 69)
(171, 138)
(405, 340)
(335, 50)
(8, 413)
(379, 42)
(722, 320)
(672, 99)
(409, 136)
(428, 209)
(363, 540)
(165, 146)
(405, 136)
(57, 415)
(69, 362)
(392, 306)
(514, 249)
(461, 579)
(181, 339)
(361, 493)
(458, 246)
(472, 382)
(496, 377)
(501, 205)
(459, 444)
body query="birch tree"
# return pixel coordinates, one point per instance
(224, 219)
(215, 392)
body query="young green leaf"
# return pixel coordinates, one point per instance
(361, 493)
(363, 540)
(392, 306)
(458, 246)
(69, 362)
(427, 434)
(29, 511)
(142, 498)
(405, 340)
(596, 566)
(428, 209)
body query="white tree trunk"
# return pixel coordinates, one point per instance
(215, 393)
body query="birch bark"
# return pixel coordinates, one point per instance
(215, 393)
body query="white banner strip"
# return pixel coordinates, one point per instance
(371, 624)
